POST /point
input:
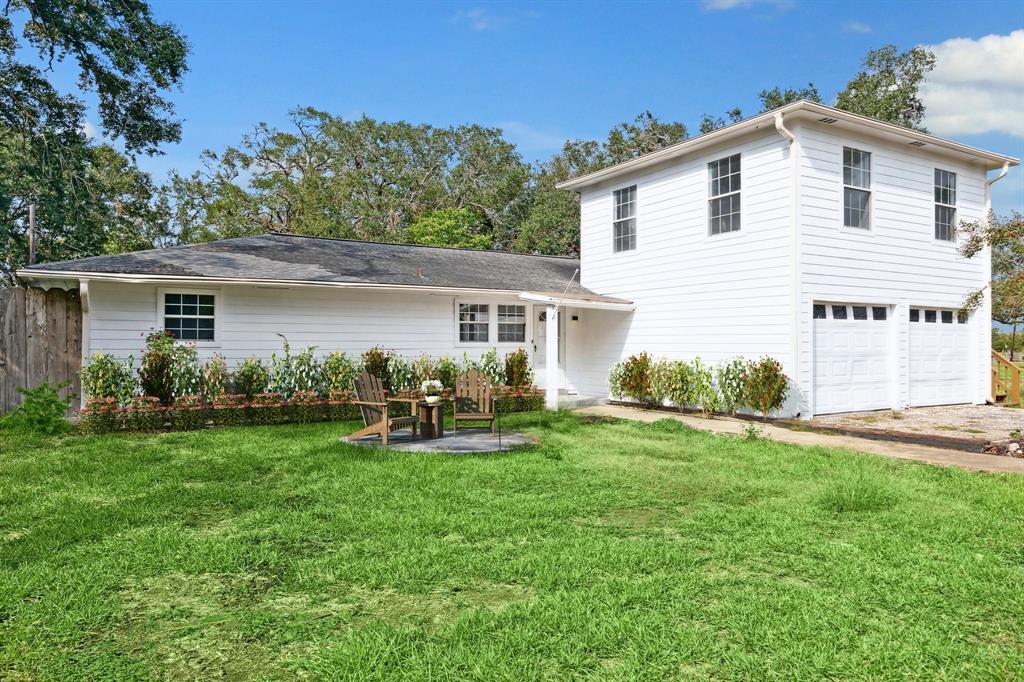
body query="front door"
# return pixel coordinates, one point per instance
(540, 340)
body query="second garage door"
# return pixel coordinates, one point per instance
(851, 358)
(939, 357)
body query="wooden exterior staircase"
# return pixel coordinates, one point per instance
(1005, 380)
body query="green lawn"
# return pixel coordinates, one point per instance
(611, 551)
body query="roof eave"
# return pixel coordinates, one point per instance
(765, 120)
(62, 279)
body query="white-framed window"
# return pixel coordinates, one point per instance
(945, 205)
(511, 323)
(624, 219)
(851, 312)
(856, 188)
(938, 316)
(189, 315)
(474, 322)
(724, 195)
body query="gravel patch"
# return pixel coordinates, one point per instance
(981, 422)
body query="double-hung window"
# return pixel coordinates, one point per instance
(724, 195)
(511, 324)
(624, 219)
(190, 316)
(474, 322)
(945, 205)
(856, 188)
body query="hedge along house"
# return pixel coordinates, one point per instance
(824, 239)
(235, 296)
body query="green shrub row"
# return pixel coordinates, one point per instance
(728, 387)
(169, 370)
(145, 413)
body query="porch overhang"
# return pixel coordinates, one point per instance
(591, 302)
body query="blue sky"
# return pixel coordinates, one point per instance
(546, 72)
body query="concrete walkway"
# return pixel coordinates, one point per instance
(920, 453)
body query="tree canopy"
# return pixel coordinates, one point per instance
(90, 197)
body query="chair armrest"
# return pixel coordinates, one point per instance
(368, 402)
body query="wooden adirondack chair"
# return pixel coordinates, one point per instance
(474, 399)
(373, 401)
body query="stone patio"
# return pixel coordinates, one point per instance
(464, 440)
(981, 422)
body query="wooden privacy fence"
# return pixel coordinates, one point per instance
(40, 342)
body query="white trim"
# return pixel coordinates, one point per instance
(803, 109)
(218, 317)
(624, 306)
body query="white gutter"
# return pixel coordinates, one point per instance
(577, 302)
(177, 279)
(1002, 174)
(794, 268)
(83, 298)
(765, 119)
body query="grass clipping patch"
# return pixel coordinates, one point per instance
(860, 492)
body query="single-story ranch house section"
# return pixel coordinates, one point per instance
(824, 239)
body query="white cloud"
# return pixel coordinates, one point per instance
(479, 19)
(723, 5)
(977, 86)
(90, 131)
(856, 27)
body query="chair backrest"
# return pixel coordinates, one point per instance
(473, 392)
(370, 388)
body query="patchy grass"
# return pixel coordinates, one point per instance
(613, 550)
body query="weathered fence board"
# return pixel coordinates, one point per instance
(40, 342)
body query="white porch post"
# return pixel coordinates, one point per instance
(551, 358)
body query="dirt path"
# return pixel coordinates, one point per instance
(920, 453)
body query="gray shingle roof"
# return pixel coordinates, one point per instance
(313, 259)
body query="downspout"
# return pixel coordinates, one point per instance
(984, 390)
(83, 297)
(794, 327)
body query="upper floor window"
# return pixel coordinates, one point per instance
(624, 219)
(474, 322)
(856, 188)
(945, 205)
(189, 316)
(724, 193)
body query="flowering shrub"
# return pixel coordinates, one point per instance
(292, 373)
(339, 373)
(447, 371)
(229, 409)
(422, 369)
(664, 380)
(215, 378)
(251, 378)
(375, 362)
(431, 387)
(105, 377)
(400, 374)
(155, 368)
(702, 393)
(732, 376)
(636, 377)
(517, 368)
(766, 387)
(185, 373)
(492, 367)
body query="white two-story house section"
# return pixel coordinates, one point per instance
(821, 238)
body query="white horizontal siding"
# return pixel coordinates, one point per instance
(696, 295)
(249, 319)
(898, 261)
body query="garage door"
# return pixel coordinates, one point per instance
(851, 358)
(939, 357)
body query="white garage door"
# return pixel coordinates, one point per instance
(851, 358)
(940, 371)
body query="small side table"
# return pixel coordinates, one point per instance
(431, 419)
